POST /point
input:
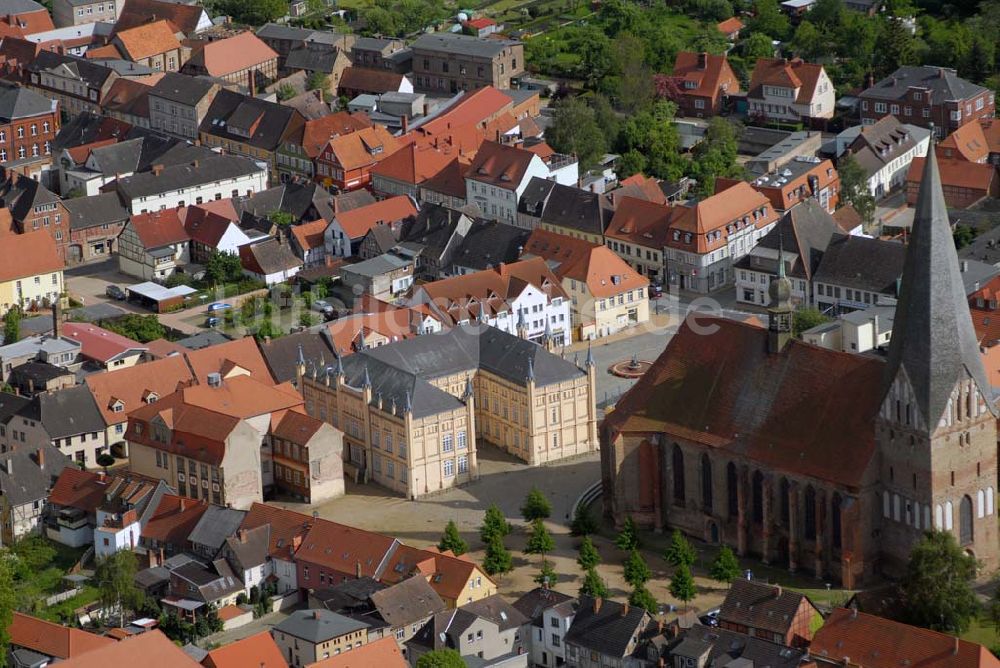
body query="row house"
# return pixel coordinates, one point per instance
(703, 81)
(638, 232)
(153, 246)
(708, 237)
(283, 39)
(800, 179)
(499, 176)
(153, 45)
(188, 19)
(94, 225)
(34, 207)
(447, 63)
(243, 60)
(66, 13)
(973, 142)
(303, 142)
(27, 477)
(346, 162)
(790, 91)
(26, 17)
(965, 183)
(29, 123)
(382, 53)
(929, 97)
(403, 172)
(178, 104)
(76, 84)
(885, 150)
(347, 230)
(31, 271)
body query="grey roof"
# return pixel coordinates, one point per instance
(317, 626)
(939, 347)
(19, 102)
(975, 274)
(216, 168)
(92, 73)
(461, 45)
(879, 144)
(282, 354)
(65, 412)
(397, 386)
(181, 88)
(22, 194)
(496, 609)
(12, 403)
(195, 652)
(444, 629)
(728, 648)
(606, 631)
(861, 263)
(22, 480)
(407, 602)
(806, 231)
(215, 525)
(347, 595)
(943, 83)
(102, 209)
(376, 266)
(36, 372)
(19, 7)
(203, 340)
(313, 57)
(537, 601)
(536, 193)
(230, 110)
(249, 547)
(303, 200)
(272, 256)
(434, 228)
(489, 243)
(277, 31)
(372, 43)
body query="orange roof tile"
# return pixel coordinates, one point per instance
(51, 639)
(174, 520)
(258, 651)
(294, 426)
(500, 165)
(244, 353)
(344, 549)
(29, 23)
(370, 80)
(98, 343)
(639, 186)
(849, 636)
(357, 222)
(640, 222)
(956, 173)
(793, 73)
(730, 25)
(604, 273)
(149, 650)
(367, 146)
(708, 79)
(159, 228)
(384, 653)
(287, 528)
(233, 54)
(309, 235)
(130, 386)
(447, 574)
(710, 221)
(29, 254)
(150, 39)
(968, 143)
(316, 133)
(412, 164)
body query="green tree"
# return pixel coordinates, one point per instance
(854, 188)
(498, 559)
(628, 537)
(12, 325)
(897, 46)
(583, 522)
(452, 540)
(8, 601)
(547, 575)
(222, 268)
(757, 45)
(808, 42)
(993, 607)
(937, 585)
(494, 524)
(115, 581)
(535, 506)
(141, 328)
(588, 556)
(254, 12)
(637, 572)
(680, 552)
(285, 92)
(643, 598)
(635, 79)
(682, 585)
(441, 658)
(318, 81)
(105, 460)
(281, 218)
(726, 567)
(593, 585)
(806, 318)
(574, 131)
(769, 19)
(715, 155)
(963, 236)
(540, 541)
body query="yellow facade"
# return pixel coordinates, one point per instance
(594, 318)
(573, 232)
(38, 290)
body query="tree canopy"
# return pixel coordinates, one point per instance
(725, 567)
(680, 552)
(535, 506)
(937, 585)
(452, 540)
(441, 658)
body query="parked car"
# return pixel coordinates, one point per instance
(211, 321)
(218, 306)
(324, 307)
(655, 290)
(114, 292)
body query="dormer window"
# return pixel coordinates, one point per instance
(677, 235)
(117, 407)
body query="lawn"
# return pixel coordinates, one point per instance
(983, 632)
(39, 573)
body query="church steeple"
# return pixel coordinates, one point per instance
(934, 346)
(780, 309)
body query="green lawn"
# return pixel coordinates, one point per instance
(42, 564)
(983, 632)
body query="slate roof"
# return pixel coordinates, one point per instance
(535, 602)
(760, 606)
(249, 547)
(943, 83)
(66, 412)
(347, 595)
(20, 102)
(488, 243)
(407, 602)
(496, 609)
(282, 353)
(606, 631)
(22, 480)
(861, 263)
(736, 650)
(939, 348)
(318, 626)
(93, 74)
(100, 209)
(461, 45)
(215, 526)
(313, 57)
(217, 168)
(886, 140)
(181, 88)
(231, 111)
(805, 230)
(268, 257)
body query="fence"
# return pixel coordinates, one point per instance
(62, 596)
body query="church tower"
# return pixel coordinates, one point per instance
(779, 326)
(936, 429)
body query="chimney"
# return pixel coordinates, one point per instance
(182, 504)
(703, 60)
(315, 614)
(954, 649)
(242, 535)
(251, 83)
(625, 609)
(357, 569)
(157, 170)
(41, 458)
(57, 318)
(965, 266)
(406, 123)
(777, 591)
(597, 604)
(214, 379)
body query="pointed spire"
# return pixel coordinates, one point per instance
(361, 340)
(322, 359)
(302, 356)
(590, 356)
(531, 370)
(367, 382)
(340, 365)
(407, 407)
(936, 343)
(547, 336)
(576, 359)
(468, 388)
(781, 255)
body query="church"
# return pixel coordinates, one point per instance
(816, 460)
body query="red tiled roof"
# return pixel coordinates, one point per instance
(61, 642)
(132, 385)
(294, 426)
(412, 164)
(29, 23)
(708, 221)
(354, 150)
(287, 528)
(256, 651)
(596, 266)
(956, 174)
(149, 650)
(98, 343)
(357, 222)
(856, 638)
(481, 23)
(447, 574)
(968, 143)
(174, 520)
(203, 225)
(449, 181)
(500, 165)
(159, 228)
(640, 222)
(309, 235)
(184, 18)
(730, 25)
(707, 79)
(233, 54)
(29, 254)
(221, 358)
(87, 490)
(639, 186)
(344, 549)
(371, 81)
(793, 73)
(384, 653)
(317, 133)
(106, 52)
(147, 40)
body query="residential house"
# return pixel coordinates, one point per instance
(34, 207)
(248, 126)
(965, 183)
(403, 172)
(731, 28)
(26, 17)
(308, 243)
(711, 645)
(270, 261)
(856, 273)
(885, 150)
(319, 59)
(498, 177)
(151, 648)
(769, 612)
(448, 63)
(604, 633)
(76, 84)
(638, 233)
(303, 142)
(488, 244)
(258, 649)
(67, 13)
(386, 277)
(283, 39)
(195, 585)
(524, 299)
(27, 476)
(153, 45)
(704, 81)
(550, 614)
(29, 123)
(211, 232)
(52, 349)
(801, 178)
(33, 378)
(346, 162)
(488, 629)
(102, 348)
(381, 53)
(461, 401)
(67, 419)
(799, 238)
(791, 91)
(242, 59)
(973, 142)
(308, 636)
(344, 234)
(563, 209)
(285, 531)
(708, 237)
(153, 245)
(188, 19)
(403, 608)
(362, 81)
(170, 524)
(435, 234)
(216, 526)
(178, 104)
(36, 640)
(95, 224)
(31, 271)
(384, 653)
(202, 180)
(607, 294)
(128, 101)
(926, 96)
(254, 440)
